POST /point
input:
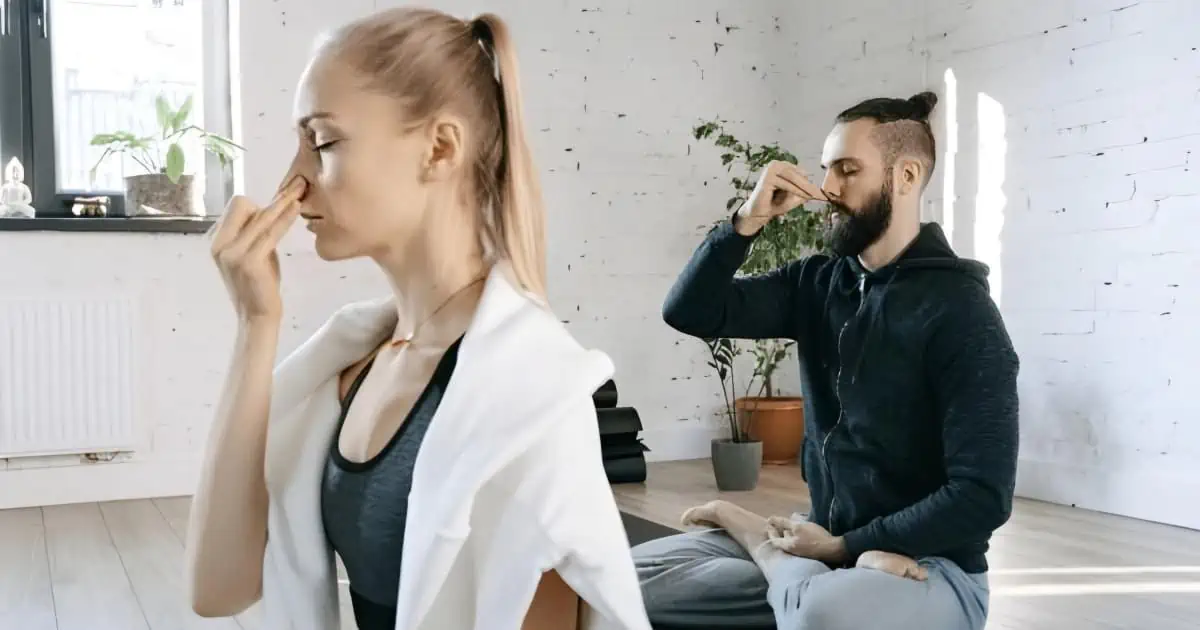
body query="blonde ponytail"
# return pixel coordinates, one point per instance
(432, 62)
(520, 218)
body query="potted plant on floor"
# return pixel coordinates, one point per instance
(774, 419)
(164, 188)
(737, 459)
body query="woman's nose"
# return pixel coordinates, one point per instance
(298, 168)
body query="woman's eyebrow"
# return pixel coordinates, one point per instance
(304, 122)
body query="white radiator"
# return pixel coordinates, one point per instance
(67, 370)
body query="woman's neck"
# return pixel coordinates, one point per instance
(438, 279)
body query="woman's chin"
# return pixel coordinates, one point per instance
(330, 251)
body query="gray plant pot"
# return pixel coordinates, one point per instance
(155, 194)
(736, 464)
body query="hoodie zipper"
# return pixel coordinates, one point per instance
(837, 392)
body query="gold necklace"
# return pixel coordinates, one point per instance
(399, 343)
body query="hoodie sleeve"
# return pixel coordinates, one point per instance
(973, 369)
(707, 301)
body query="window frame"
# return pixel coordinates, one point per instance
(13, 130)
(37, 150)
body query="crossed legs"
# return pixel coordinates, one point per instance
(730, 577)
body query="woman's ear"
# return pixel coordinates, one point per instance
(447, 148)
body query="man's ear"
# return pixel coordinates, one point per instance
(909, 174)
(446, 150)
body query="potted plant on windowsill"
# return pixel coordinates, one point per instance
(164, 188)
(775, 419)
(737, 459)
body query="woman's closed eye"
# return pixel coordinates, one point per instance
(326, 146)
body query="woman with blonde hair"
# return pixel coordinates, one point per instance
(441, 441)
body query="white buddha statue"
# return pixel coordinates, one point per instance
(15, 196)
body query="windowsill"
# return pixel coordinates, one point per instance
(171, 225)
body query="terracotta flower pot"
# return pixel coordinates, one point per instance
(777, 422)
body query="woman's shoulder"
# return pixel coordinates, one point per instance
(523, 334)
(532, 365)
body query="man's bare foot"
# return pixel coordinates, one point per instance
(745, 527)
(706, 515)
(894, 563)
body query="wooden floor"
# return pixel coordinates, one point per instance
(1052, 567)
(118, 566)
(108, 566)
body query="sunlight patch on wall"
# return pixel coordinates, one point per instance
(950, 91)
(990, 200)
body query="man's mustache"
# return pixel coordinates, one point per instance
(839, 208)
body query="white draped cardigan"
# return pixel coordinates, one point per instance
(508, 484)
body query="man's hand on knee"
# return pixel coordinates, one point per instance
(805, 539)
(894, 563)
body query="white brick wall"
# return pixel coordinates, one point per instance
(607, 88)
(1088, 212)
(1100, 102)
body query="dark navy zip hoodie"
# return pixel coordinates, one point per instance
(910, 383)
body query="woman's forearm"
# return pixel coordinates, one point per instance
(227, 533)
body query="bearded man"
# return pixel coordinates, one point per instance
(910, 383)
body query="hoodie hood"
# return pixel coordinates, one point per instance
(929, 251)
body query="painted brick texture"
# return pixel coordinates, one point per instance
(1069, 137)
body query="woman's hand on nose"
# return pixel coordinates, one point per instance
(244, 245)
(293, 180)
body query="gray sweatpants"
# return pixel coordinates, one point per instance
(706, 580)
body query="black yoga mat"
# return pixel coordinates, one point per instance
(618, 420)
(606, 396)
(626, 469)
(622, 449)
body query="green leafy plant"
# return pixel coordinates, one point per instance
(782, 240)
(162, 152)
(724, 353)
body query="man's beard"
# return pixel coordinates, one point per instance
(859, 229)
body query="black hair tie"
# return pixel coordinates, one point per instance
(482, 32)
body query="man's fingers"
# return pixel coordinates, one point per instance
(793, 172)
(789, 192)
(778, 527)
(802, 187)
(800, 182)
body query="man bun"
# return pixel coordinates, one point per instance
(922, 105)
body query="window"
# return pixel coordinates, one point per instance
(73, 69)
